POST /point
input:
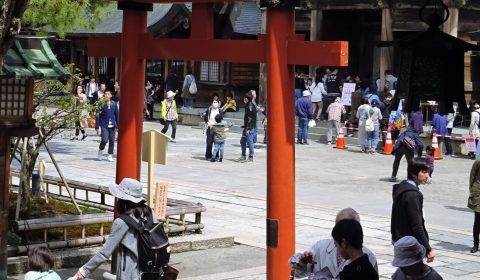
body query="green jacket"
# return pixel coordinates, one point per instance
(474, 198)
(163, 114)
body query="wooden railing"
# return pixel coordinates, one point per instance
(181, 216)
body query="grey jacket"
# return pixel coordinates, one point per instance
(125, 239)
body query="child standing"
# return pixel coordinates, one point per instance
(40, 264)
(219, 136)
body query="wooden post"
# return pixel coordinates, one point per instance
(262, 83)
(386, 54)
(281, 145)
(4, 205)
(151, 169)
(316, 18)
(42, 167)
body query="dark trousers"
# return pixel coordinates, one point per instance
(107, 135)
(476, 229)
(174, 127)
(78, 128)
(399, 153)
(208, 150)
(448, 144)
(150, 109)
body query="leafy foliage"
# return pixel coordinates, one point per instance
(64, 15)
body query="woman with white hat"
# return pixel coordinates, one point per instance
(169, 114)
(131, 202)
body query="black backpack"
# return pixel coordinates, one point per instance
(153, 246)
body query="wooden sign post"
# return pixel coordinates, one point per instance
(154, 151)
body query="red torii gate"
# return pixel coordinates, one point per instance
(279, 48)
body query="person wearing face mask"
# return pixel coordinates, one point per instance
(209, 118)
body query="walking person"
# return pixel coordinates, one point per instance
(474, 202)
(303, 110)
(80, 116)
(407, 207)
(249, 125)
(189, 89)
(408, 144)
(439, 127)
(318, 91)
(40, 264)
(90, 89)
(107, 124)
(99, 93)
(169, 114)
(372, 136)
(209, 118)
(474, 129)
(122, 239)
(362, 117)
(334, 113)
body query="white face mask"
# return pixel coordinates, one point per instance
(215, 105)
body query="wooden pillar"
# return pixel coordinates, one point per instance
(262, 82)
(386, 54)
(281, 145)
(118, 69)
(475, 75)
(4, 205)
(133, 80)
(451, 25)
(316, 18)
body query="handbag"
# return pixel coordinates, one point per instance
(91, 121)
(193, 86)
(311, 123)
(369, 127)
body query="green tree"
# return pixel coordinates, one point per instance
(59, 15)
(56, 109)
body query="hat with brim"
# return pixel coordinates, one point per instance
(170, 94)
(476, 106)
(128, 189)
(407, 252)
(306, 93)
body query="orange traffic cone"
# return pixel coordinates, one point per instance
(388, 147)
(436, 150)
(341, 139)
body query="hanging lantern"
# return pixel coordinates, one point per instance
(432, 64)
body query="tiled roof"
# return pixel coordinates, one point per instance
(250, 19)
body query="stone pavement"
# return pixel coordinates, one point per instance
(234, 196)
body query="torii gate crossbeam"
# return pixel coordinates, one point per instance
(279, 48)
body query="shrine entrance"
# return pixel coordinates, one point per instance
(279, 48)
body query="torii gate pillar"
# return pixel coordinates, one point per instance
(281, 146)
(131, 104)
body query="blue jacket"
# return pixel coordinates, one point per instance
(107, 115)
(439, 124)
(303, 108)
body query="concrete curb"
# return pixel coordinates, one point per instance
(76, 257)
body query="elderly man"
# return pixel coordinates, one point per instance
(328, 263)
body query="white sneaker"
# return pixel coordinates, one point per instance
(110, 158)
(100, 155)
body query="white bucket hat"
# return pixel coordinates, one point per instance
(407, 251)
(170, 94)
(128, 189)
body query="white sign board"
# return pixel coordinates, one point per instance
(470, 144)
(348, 89)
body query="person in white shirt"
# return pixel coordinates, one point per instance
(327, 263)
(90, 89)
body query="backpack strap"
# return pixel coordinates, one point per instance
(130, 222)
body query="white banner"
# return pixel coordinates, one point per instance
(348, 89)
